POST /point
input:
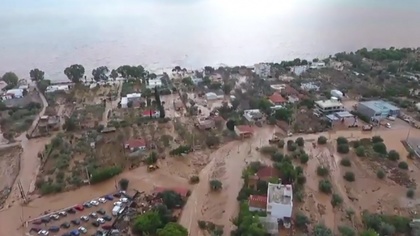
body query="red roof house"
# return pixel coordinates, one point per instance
(184, 192)
(135, 144)
(244, 130)
(257, 203)
(151, 113)
(277, 99)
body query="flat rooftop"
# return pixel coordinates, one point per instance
(280, 194)
(379, 105)
(328, 103)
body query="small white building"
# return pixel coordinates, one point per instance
(124, 102)
(133, 97)
(317, 65)
(15, 93)
(298, 70)
(54, 88)
(253, 115)
(214, 96)
(262, 70)
(326, 107)
(153, 83)
(280, 202)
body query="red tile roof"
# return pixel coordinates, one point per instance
(257, 201)
(136, 143)
(277, 98)
(267, 172)
(148, 112)
(181, 191)
(245, 129)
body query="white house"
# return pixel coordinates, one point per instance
(262, 69)
(253, 115)
(124, 102)
(317, 65)
(54, 88)
(153, 83)
(15, 93)
(326, 107)
(133, 97)
(298, 70)
(280, 202)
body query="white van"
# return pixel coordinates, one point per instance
(115, 210)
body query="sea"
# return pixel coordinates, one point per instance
(160, 34)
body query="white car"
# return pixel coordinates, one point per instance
(55, 217)
(82, 229)
(95, 203)
(388, 125)
(62, 213)
(117, 203)
(43, 232)
(102, 200)
(84, 218)
(124, 200)
(100, 221)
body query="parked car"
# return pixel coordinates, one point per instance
(100, 220)
(54, 229)
(101, 200)
(117, 195)
(65, 225)
(75, 232)
(79, 207)
(106, 227)
(62, 213)
(87, 205)
(75, 222)
(82, 229)
(109, 197)
(37, 222)
(45, 220)
(101, 212)
(94, 203)
(124, 200)
(35, 229)
(93, 215)
(99, 233)
(71, 211)
(95, 223)
(84, 218)
(117, 203)
(107, 218)
(55, 217)
(43, 232)
(115, 210)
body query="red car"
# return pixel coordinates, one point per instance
(107, 227)
(79, 207)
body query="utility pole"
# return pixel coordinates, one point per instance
(22, 193)
(87, 175)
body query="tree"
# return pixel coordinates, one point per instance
(75, 72)
(171, 199)
(322, 171)
(410, 193)
(123, 183)
(43, 85)
(342, 140)
(36, 74)
(300, 142)
(346, 231)
(349, 176)
(173, 229)
(377, 139)
(325, 186)
(277, 156)
(10, 78)
(345, 162)
(360, 151)
(100, 73)
(247, 223)
(215, 185)
(379, 148)
(322, 230)
(369, 232)
(151, 159)
(336, 200)
(304, 158)
(226, 88)
(403, 165)
(114, 74)
(343, 148)
(380, 174)
(322, 140)
(69, 124)
(284, 114)
(147, 223)
(301, 221)
(393, 155)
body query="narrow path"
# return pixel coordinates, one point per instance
(111, 105)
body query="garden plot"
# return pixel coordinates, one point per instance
(15, 121)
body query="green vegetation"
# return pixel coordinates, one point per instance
(360, 151)
(182, 149)
(300, 142)
(194, 179)
(302, 221)
(349, 176)
(322, 230)
(322, 171)
(325, 186)
(268, 150)
(342, 140)
(105, 173)
(291, 146)
(380, 223)
(343, 148)
(75, 72)
(345, 162)
(322, 140)
(380, 174)
(410, 193)
(379, 148)
(123, 183)
(403, 165)
(393, 155)
(247, 223)
(173, 229)
(11, 79)
(147, 223)
(215, 185)
(336, 200)
(18, 120)
(346, 231)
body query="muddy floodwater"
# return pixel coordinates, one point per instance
(225, 164)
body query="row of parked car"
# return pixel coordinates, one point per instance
(98, 218)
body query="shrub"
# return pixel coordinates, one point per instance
(346, 231)
(322, 140)
(301, 179)
(322, 171)
(325, 186)
(356, 144)
(194, 179)
(360, 151)
(301, 220)
(270, 150)
(202, 224)
(410, 193)
(180, 150)
(342, 140)
(403, 165)
(215, 185)
(280, 144)
(304, 158)
(292, 147)
(380, 174)
(48, 188)
(349, 176)
(336, 200)
(104, 174)
(379, 148)
(393, 155)
(123, 183)
(300, 142)
(345, 162)
(343, 148)
(377, 139)
(322, 230)
(277, 157)
(151, 159)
